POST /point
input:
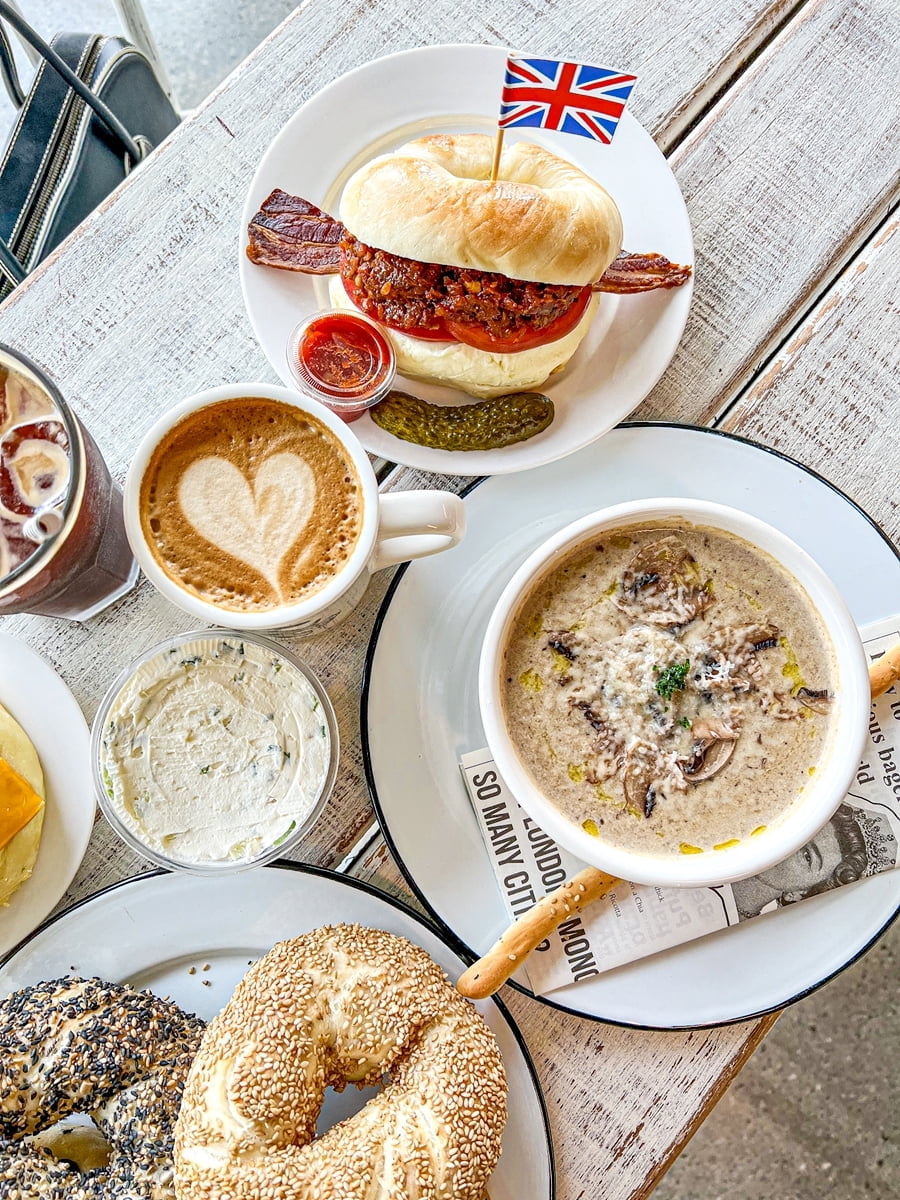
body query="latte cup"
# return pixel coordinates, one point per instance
(251, 506)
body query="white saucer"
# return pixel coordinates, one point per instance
(48, 712)
(416, 92)
(420, 714)
(192, 939)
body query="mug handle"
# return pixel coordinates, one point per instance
(416, 524)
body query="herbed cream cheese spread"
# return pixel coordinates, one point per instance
(215, 750)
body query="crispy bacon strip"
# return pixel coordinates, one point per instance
(641, 273)
(290, 233)
(293, 234)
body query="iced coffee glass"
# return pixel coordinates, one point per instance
(63, 550)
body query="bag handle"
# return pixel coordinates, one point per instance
(8, 71)
(10, 265)
(106, 115)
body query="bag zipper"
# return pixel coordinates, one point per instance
(56, 163)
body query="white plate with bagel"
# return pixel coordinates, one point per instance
(382, 105)
(192, 940)
(41, 705)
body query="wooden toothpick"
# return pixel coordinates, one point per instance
(498, 147)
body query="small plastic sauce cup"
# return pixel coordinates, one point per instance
(343, 360)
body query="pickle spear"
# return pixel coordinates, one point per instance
(485, 425)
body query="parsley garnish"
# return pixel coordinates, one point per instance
(684, 722)
(673, 679)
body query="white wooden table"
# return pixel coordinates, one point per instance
(780, 123)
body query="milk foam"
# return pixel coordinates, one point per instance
(251, 504)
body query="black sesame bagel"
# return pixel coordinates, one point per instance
(83, 1046)
(342, 1004)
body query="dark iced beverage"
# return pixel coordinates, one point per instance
(63, 550)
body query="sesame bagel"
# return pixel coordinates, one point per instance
(105, 1050)
(342, 1004)
(432, 199)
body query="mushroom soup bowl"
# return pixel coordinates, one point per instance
(675, 692)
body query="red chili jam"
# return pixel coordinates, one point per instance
(343, 360)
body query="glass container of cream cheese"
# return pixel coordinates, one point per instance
(214, 752)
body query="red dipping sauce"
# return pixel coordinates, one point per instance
(343, 360)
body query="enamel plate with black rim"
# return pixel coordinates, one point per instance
(420, 714)
(391, 100)
(192, 940)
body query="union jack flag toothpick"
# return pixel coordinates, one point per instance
(570, 97)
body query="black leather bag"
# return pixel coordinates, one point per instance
(94, 110)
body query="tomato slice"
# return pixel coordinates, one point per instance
(481, 338)
(437, 333)
(478, 336)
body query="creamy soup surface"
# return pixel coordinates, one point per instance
(670, 688)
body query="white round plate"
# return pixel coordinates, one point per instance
(192, 940)
(48, 712)
(385, 103)
(420, 714)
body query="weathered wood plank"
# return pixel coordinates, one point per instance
(835, 382)
(784, 181)
(635, 1098)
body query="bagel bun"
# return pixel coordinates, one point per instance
(543, 219)
(479, 373)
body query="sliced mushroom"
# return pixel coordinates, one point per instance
(608, 741)
(783, 707)
(819, 701)
(736, 644)
(640, 778)
(716, 729)
(662, 585)
(762, 637)
(560, 644)
(714, 742)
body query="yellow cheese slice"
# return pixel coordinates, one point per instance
(19, 802)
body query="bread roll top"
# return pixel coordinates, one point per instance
(432, 200)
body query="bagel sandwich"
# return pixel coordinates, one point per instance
(482, 286)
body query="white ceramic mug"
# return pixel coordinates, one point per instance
(823, 793)
(395, 526)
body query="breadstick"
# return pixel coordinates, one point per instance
(484, 977)
(884, 671)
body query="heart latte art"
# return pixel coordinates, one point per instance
(251, 504)
(249, 522)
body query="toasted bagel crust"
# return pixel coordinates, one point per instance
(432, 200)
